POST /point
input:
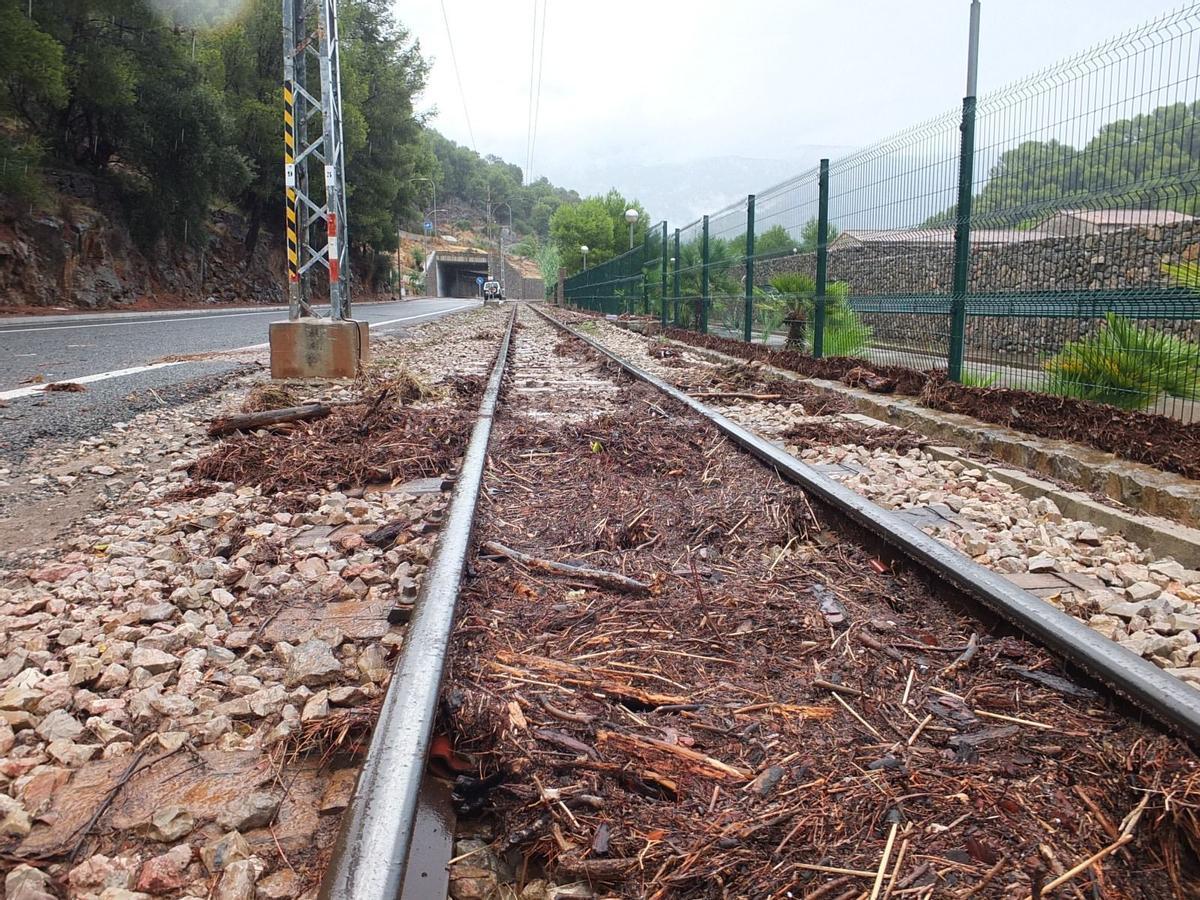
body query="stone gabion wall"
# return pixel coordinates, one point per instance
(1128, 259)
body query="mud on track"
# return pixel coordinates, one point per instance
(777, 700)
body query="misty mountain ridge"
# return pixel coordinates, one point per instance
(682, 192)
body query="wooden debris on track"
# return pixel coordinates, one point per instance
(374, 441)
(267, 419)
(716, 736)
(607, 579)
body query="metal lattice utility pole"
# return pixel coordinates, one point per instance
(310, 30)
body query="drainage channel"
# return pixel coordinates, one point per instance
(1139, 681)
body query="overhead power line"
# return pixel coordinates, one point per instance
(529, 108)
(458, 77)
(537, 60)
(537, 106)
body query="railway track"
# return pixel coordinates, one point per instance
(678, 673)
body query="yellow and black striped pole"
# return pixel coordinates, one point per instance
(293, 209)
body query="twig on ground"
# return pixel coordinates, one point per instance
(608, 579)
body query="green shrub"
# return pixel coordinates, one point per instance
(20, 171)
(970, 379)
(1126, 366)
(845, 333)
(795, 285)
(732, 312)
(1184, 274)
(770, 309)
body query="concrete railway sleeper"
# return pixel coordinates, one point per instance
(804, 703)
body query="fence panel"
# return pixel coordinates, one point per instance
(689, 275)
(1083, 272)
(785, 245)
(890, 249)
(652, 271)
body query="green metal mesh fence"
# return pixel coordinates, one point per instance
(785, 262)
(653, 271)
(689, 274)
(1045, 236)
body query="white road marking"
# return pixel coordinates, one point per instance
(425, 315)
(141, 322)
(374, 325)
(263, 312)
(86, 379)
(137, 370)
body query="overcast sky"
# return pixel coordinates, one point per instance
(645, 82)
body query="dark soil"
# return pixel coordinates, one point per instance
(839, 434)
(1148, 438)
(1142, 437)
(685, 742)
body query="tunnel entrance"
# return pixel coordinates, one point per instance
(456, 274)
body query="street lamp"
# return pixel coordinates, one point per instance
(584, 250)
(510, 221)
(631, 216)
(503, 292)
(432, 184)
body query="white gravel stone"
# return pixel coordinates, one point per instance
(15, 821)
(153, 661)
(59, 725)
(252, 811)
(312, 663)
(169, 824)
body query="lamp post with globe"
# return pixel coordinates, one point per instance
(631, 216)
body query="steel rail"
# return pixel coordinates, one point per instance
(1145, 685)
(372, 849)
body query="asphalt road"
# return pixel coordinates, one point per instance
(125, 362)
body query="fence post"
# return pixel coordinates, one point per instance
(702, 318)
(662, 294)
(962, 225)
(642, 273)
(678, 280)
(822, 260)
(747, 326)
(962, 242)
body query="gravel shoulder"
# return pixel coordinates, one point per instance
(187, 670)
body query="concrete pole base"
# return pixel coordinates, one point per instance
(319, 348)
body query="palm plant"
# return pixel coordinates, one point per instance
(845, 333)
(1126, 366)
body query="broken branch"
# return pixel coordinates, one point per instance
(598, 576)
(250, 421)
